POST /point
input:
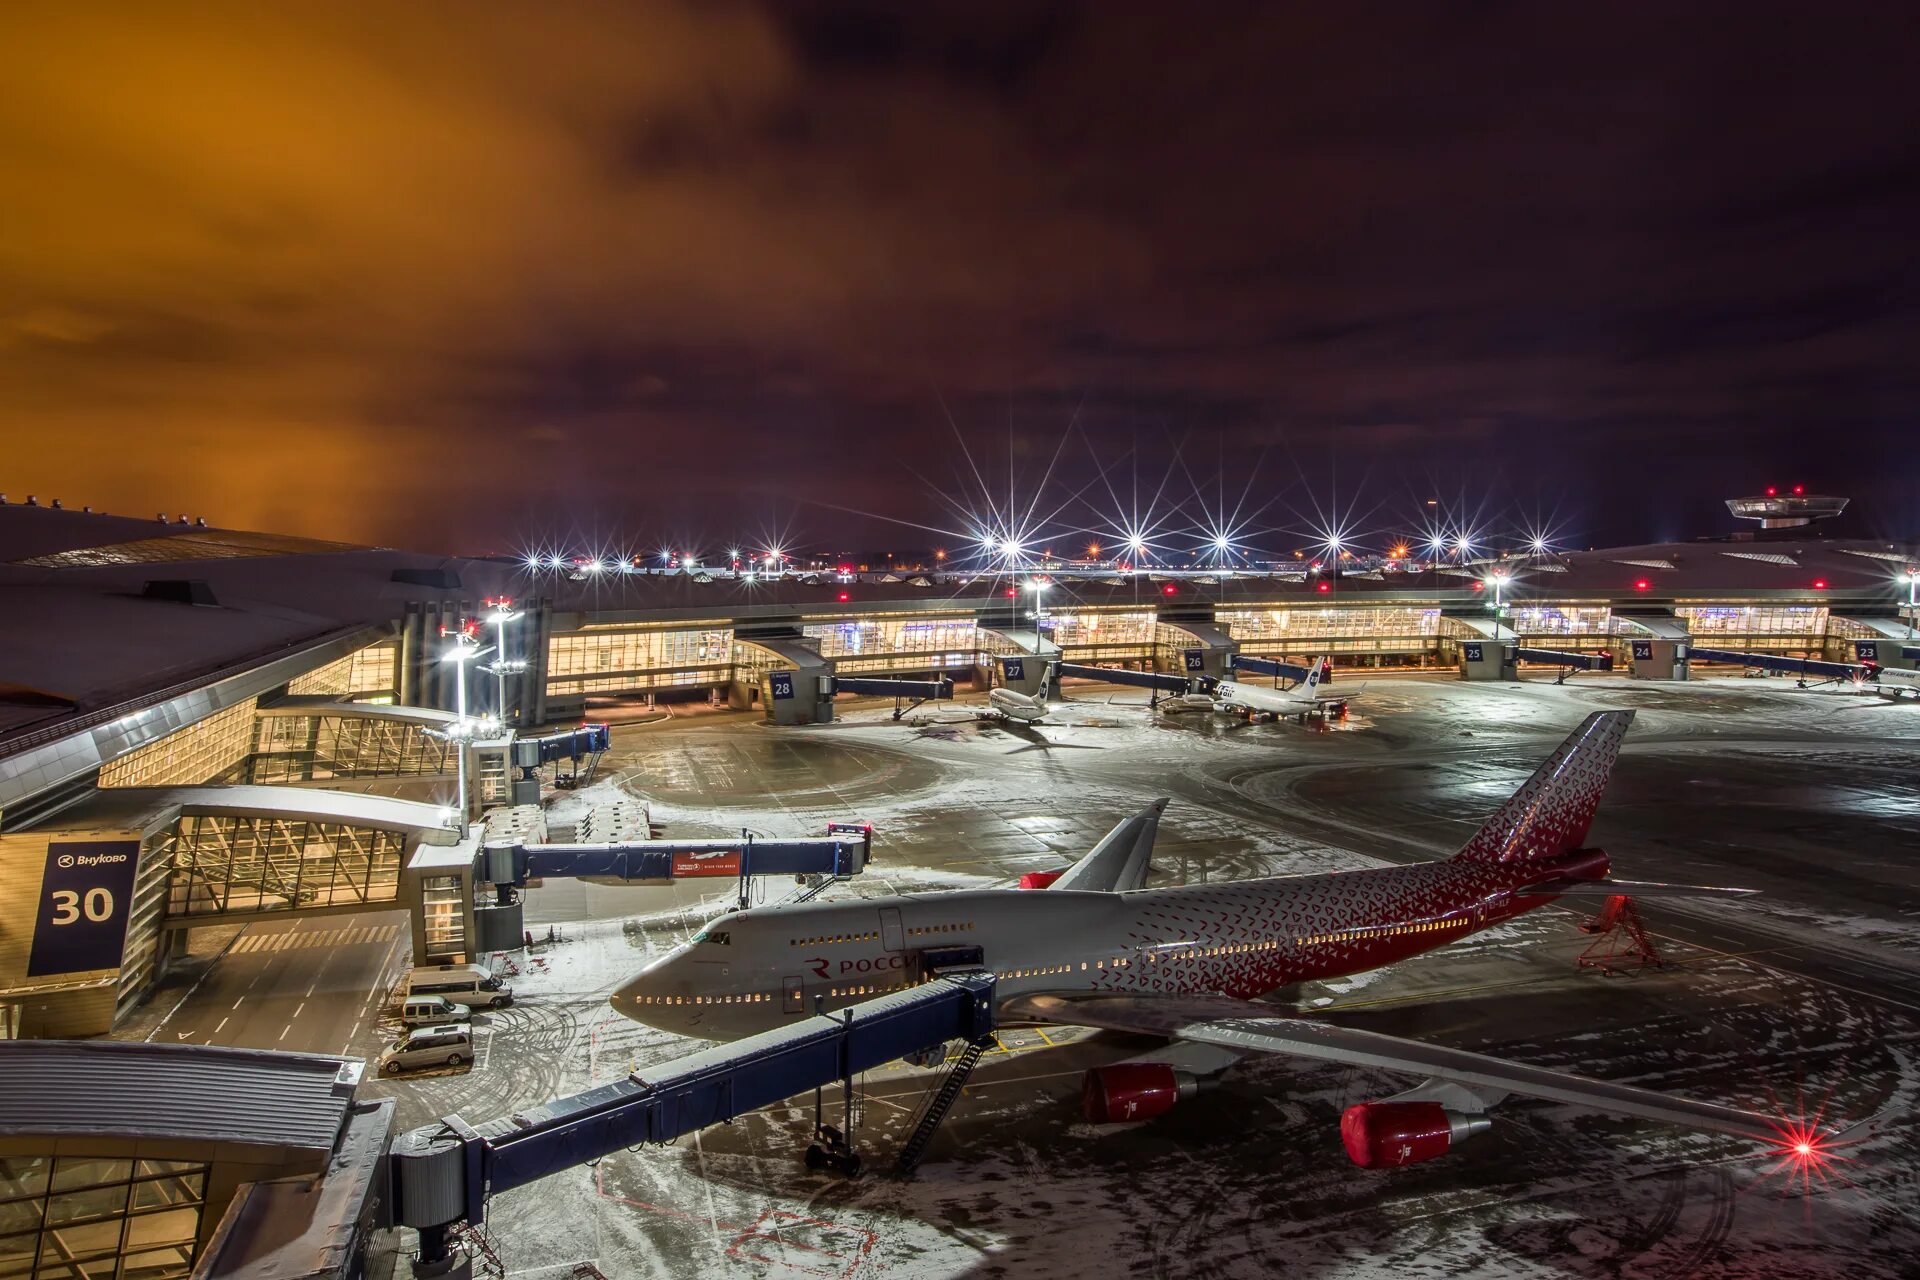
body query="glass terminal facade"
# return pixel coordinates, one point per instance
(897, 642)
(1089, 635)
(622, 658)
(366, 675)
(209, 750)
(1765, 628)
(308, 748)
(82, 1217)
(1381, 635)
(245, 863)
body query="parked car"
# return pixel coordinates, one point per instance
(468, 984)
(444, 1046)
(432, 1011)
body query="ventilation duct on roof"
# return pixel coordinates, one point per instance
(180, 591)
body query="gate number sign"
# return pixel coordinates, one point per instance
(84, 896)
(782, 682)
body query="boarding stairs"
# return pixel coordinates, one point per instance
(942, 1102)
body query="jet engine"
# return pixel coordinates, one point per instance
(1131, 1091)
(1386, 1135)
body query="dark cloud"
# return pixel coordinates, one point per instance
(441, 274)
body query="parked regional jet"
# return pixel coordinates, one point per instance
(1304, 699)
(1186, 963)
(1007, 704)
(1895, 681)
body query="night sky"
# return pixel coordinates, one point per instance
(478, 276)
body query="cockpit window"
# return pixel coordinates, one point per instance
(717, 936)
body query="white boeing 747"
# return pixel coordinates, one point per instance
(1188, 963)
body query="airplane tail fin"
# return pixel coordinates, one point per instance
(1046, 680)
(1121, 860)
(1312, 682)
(1550, 814)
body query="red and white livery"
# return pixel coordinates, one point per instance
(1096, 949)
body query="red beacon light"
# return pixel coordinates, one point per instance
(1167, 590)
(1799, 490)
(1772, 491)
(1012, 592)
(1328, 586)
(844, 597)
(1641, 584)
(1819, 584)
(1479, 586)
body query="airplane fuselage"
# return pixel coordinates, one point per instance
(769, 966)
(1895, 681)
(1276, 702)
(1016, 706)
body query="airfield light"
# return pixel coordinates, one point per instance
(1819, 584)
(1539, 546)
(1799, 489)
(1167, 590)
(843, 597)
(1136, 545)
(1436, 544)
(1326, 586)
(1772, 492)
(1641, 584)
(1221, 544)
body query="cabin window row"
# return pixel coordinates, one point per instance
(1377, 931)
(747, 997)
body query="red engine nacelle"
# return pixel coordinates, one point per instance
(1040, 879)
(1133, 1091)
(1386, 1135)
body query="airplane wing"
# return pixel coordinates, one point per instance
(1120, 860)
(1566, 887)
(1248, 1028)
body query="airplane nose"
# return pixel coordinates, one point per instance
(660, 995)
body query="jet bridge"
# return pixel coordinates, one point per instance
(1801, 667)
(906, 694)
(1246, 662)
(845, 851)
(1567, 661)
(442, 1174)
(1160, 682)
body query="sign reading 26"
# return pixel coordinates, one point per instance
(69, 906)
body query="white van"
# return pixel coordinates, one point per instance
(429, 1011)
(468, 984)
(428, 1047)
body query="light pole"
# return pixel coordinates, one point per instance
(1499, 580)
(465, 649)
(1913, 599)
(503, 613)
(1038, 587)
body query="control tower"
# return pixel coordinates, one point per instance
(1787, 509)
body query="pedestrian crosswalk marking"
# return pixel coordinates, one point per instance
(298, 939)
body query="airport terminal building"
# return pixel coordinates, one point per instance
(205, 727)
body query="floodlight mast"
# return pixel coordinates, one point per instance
(465, 649)
(503, 613)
